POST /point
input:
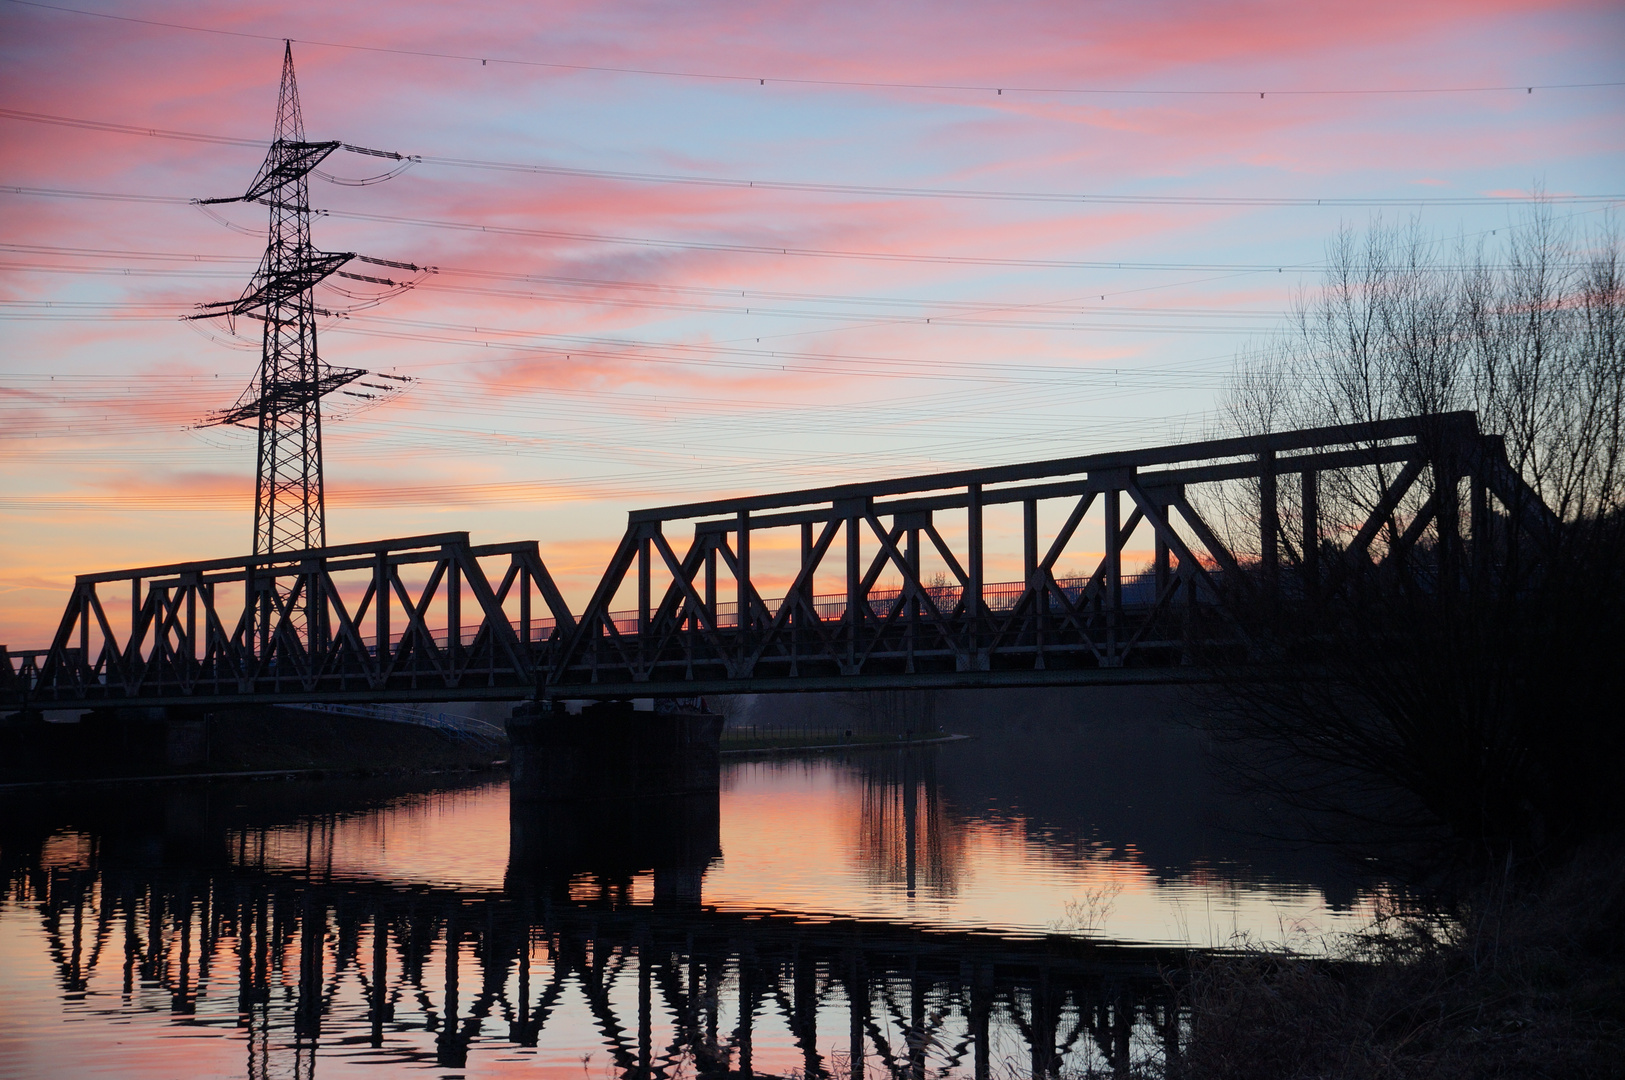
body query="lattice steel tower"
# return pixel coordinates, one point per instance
(285, 398)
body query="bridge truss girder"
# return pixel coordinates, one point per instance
(703, 623)
(1101, 626)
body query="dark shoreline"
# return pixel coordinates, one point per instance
(233, 745)
(831, 748)
(255, 775)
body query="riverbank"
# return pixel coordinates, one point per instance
(788, 743)
(1526, 983)
(242, 744)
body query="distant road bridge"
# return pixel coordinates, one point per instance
(903, 564)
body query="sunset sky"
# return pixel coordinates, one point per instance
(977, 234)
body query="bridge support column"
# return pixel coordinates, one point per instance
(613, 792)
(610, 750)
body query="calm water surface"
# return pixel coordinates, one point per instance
(1000, 906)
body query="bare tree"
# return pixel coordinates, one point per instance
(901, 712)
(1479, 719)
(734, 709)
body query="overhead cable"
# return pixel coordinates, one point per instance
(993, 88)
(695, 245)
(819, 187)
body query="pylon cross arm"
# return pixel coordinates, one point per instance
(279, 286)
(286, 162)
(284, 397)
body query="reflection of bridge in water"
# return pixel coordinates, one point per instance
(436, 618)
(597, 948)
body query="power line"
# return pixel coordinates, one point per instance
(441, 270)
(583, 488)
(697, 245)
(78, 252)
(786, 251)
(1069, 305)
(858, 190)
(129, 129)
(996, 89)
(745, 302)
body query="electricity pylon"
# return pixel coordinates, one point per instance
(285, 398)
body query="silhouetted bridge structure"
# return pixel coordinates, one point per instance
(903, 566)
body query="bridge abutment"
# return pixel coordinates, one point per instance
(105, 742)
(164, 737)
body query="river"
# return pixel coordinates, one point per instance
(1012, 904)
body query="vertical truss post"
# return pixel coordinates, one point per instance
(1029, 576)
(454, 606)
(1029, 542)
(1311, 532)
(799, 616)
(911, 557)
(642, 593)
(380, 609)
(313, 606)
(743, 617)
(1447, 516)
(1480, 525)
(208, 611)
(264, 590)
(711, 577)
(854, 587)
(806, 551)
(1114, 572)
(251, 603)
(1269, 518)
(1161, 562)
(973, 568)
(524, 602)
(190, 584)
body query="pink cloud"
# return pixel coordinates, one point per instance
(554, 441)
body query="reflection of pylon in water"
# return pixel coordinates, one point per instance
(289, 510)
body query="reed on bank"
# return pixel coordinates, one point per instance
(1520, 981)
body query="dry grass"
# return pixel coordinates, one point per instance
(1528, 985)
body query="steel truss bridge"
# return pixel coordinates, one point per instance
(738, 609)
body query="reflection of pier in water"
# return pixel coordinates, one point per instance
(600, 957)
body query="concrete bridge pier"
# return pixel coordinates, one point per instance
(612, 750)
(613, 792)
